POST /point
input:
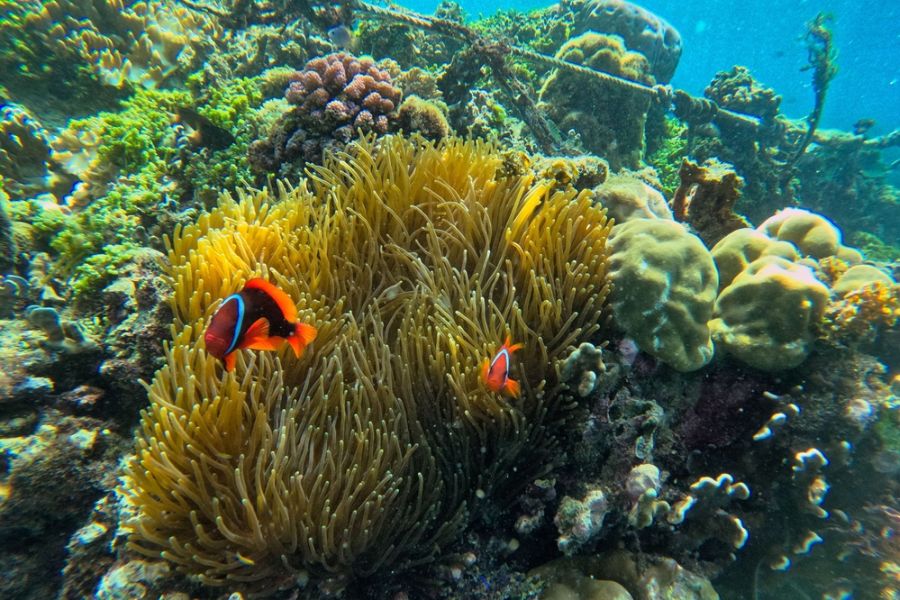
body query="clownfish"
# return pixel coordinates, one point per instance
(259, 317)
(495, 371)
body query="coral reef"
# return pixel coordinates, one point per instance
(767, 315)
(387, 406)
(335, 98)
(757, 156)
(610, 120)
(119, 45)
(627, 197)
(734, 252)
(24, 153)
(641, 30)
(705, 199)
(423, 117)
(665, 284)
(156, 155)
(812, 234)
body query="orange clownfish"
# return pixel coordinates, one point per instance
(259, 317)
(495, 372)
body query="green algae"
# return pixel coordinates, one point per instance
(666, 157)
(146, 168)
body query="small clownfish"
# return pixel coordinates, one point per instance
(259, 317)
(495, 372)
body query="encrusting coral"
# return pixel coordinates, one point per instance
(118, 43)
(414, 261)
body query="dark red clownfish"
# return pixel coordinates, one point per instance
(259, 317)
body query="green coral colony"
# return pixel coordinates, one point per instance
(705, 400)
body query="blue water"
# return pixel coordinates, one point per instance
(766, 36)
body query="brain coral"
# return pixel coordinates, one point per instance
(610, 120)
(664, 287)
(734, 252)
(766, 316)
(626, 197)
(641, 30)
(812, 234)
(414, 261)
(335, 98)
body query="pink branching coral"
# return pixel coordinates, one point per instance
(335, 98)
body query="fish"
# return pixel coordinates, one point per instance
(495, 371)
(259, 317)
(341, 36)
(205, 133)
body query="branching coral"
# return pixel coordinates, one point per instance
(414, 261)
(336, 97)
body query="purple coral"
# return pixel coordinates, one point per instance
(340, 88)
(335, 97)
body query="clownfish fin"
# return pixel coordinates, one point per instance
(485, 370)
(257, 336)
(510, 347)
(303, 336)
(512, 387)
(284, 302)
(230, 359)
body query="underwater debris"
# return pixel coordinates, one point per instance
(821, 57)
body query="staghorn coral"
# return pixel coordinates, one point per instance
(335, 98)
(609, 120)
(414, 261)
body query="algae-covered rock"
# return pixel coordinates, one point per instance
(738, 249)
(766, 316)
(610, 120)
(665, 285)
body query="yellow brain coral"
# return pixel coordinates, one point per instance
(766, 317)
(414, 261)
